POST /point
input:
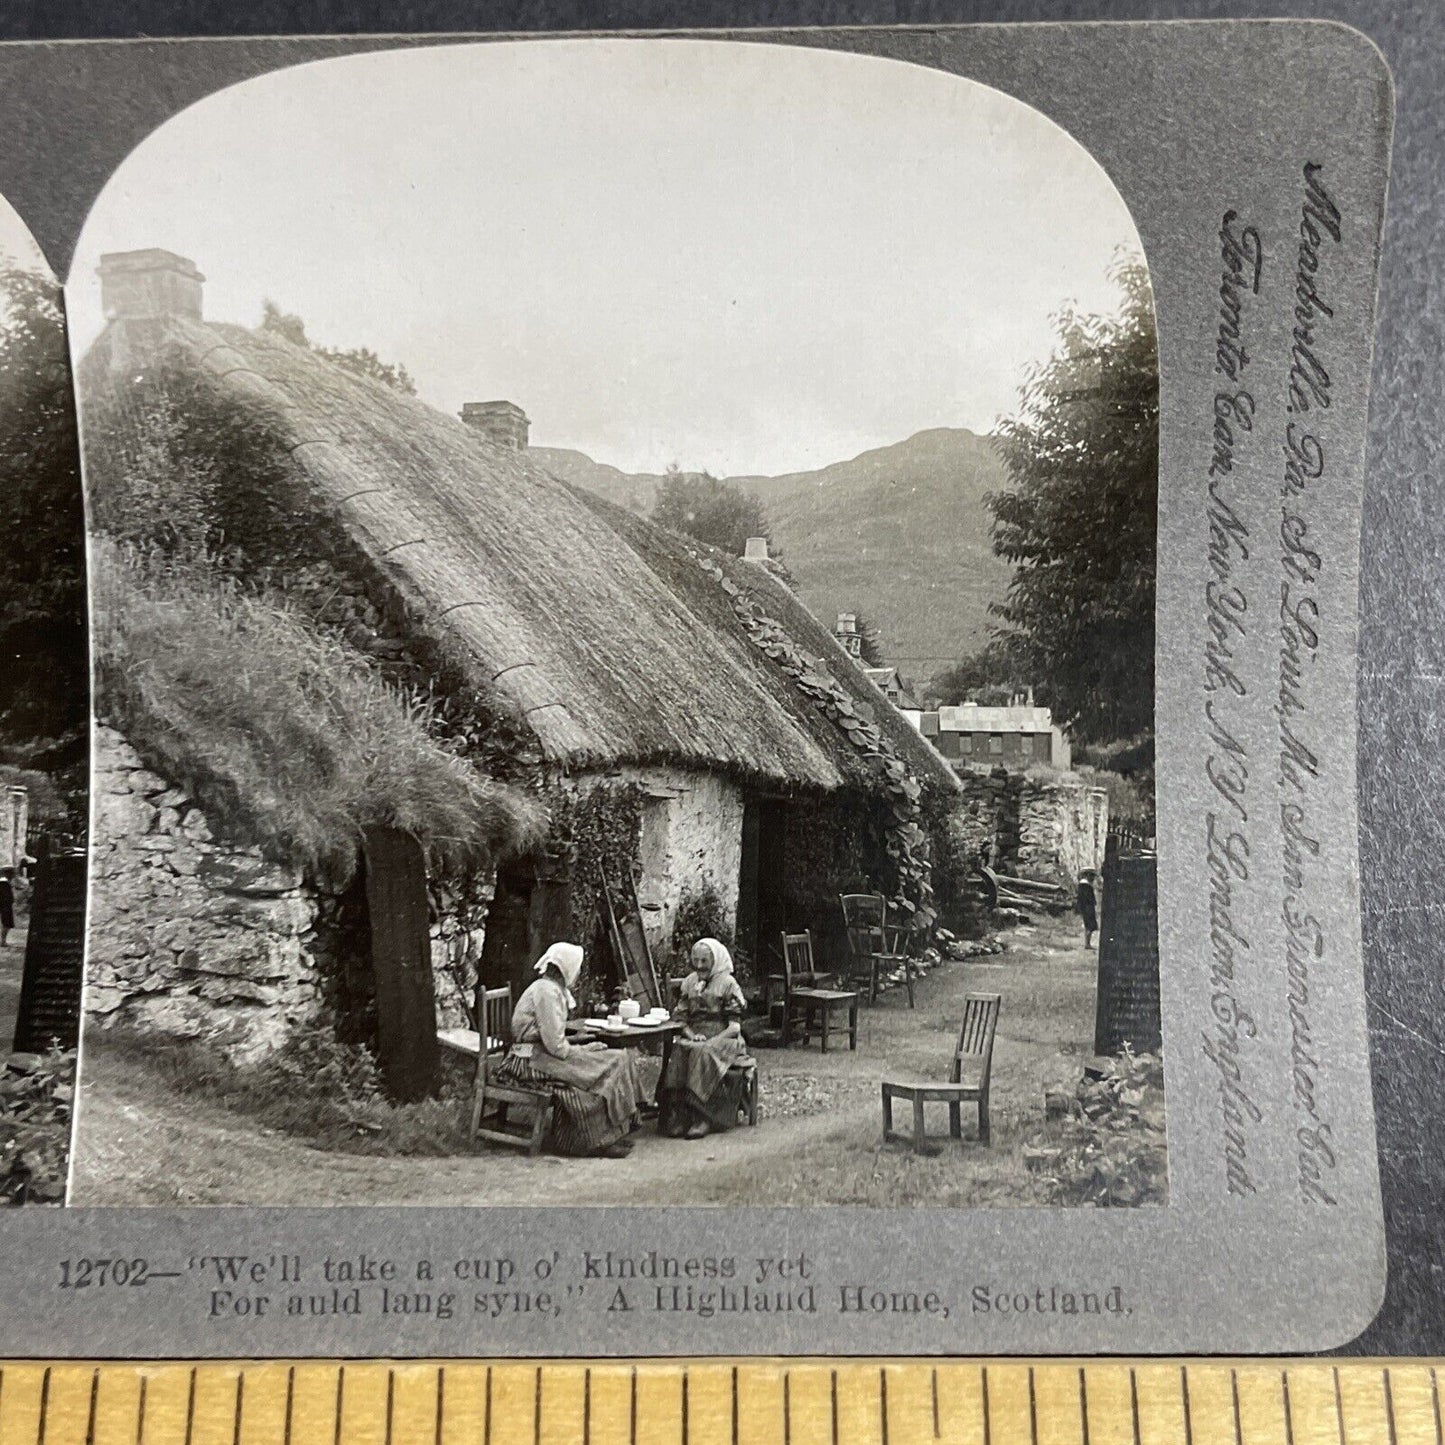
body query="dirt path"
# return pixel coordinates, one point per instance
(817, 1139)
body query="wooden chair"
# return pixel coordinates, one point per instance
(974, 1055)
(877, 941)
(488, 1045)
(809, 994)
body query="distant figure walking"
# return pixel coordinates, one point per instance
(7, 904)
(1086, 907)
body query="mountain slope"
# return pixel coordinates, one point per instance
(900, 534)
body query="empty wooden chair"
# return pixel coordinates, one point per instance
(877, 942)
(968, 1077)
(488, 1045)
(809, 995)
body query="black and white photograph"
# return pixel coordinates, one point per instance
(44, 737)
(623, 579)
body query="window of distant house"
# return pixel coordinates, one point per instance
(995, 744)
(965, 742)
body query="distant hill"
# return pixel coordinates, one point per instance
(900, 534)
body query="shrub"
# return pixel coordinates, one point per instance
(316, 1088)
(35, 1117)
(1111, 1149)
(286, 735)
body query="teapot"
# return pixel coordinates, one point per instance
(629, 1008)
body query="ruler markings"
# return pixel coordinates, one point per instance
(90, 1411)
(694, 1403)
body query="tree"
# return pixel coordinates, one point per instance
(870, 647)
(361, 360)
(714, 511)
(991, 676)
(1079, 523)
(44, 660)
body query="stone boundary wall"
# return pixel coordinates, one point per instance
(191, 937)
(1040, 824)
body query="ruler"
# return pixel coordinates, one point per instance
(748, 1402)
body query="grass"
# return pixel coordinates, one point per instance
(316, 1089)
(285, 734)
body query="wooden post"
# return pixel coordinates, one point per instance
(49, 1008)
(396, 900)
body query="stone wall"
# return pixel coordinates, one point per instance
(1062, 823)
(1040, 824)
(692, 838)
(190, 936)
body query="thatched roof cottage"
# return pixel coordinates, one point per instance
(680, 711)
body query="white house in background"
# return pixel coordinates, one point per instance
(1018, 736)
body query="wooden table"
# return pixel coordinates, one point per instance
(628, 1037)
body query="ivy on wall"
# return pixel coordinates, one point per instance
(594, 832)
(905, 840)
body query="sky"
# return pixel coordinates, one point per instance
(743, 257)
(17, 245)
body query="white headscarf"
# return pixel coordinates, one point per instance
(720, 982)
(566, 958)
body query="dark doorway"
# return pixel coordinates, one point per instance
(762, 914)
(531, 910)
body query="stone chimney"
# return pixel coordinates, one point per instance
(848, 635)
(148, 285)
(501, 422)
(755, 549)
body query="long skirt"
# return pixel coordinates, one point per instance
(580, 1119)
(700, 1086)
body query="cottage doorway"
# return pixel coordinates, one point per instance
(531, 909)
(398, 911)
(761, 882)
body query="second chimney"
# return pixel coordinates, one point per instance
(501, 422)
(145, 285)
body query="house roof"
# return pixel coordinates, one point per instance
(601, 631)
(971, 717)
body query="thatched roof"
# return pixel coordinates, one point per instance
(595, 627)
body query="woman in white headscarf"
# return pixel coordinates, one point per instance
(595, 1092)
(698, 1094)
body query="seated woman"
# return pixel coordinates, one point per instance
(697, 1094)
(594, 1088)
